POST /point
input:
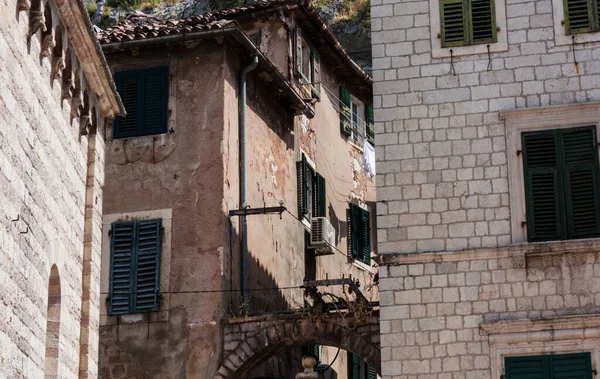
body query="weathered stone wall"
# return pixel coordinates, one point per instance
(430, 321)
(441, 147)
(45, 165)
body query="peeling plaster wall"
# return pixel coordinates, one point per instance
(181, 171)
(195, 172)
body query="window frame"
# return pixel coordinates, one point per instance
(522, 120)
(311, 194)
(561, 38)
(166, 215)
(141, 130)
(309, 78)
(439, 51)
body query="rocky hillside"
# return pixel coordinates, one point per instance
(349, 20)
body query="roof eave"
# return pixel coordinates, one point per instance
(88, 51)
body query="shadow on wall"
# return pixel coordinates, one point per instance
(340, 225)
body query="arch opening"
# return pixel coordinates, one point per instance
(51, 360)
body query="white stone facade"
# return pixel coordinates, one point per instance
(51, 173)
(451, 212)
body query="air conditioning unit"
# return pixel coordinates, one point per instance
(322, 236)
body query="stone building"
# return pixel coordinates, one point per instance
(486, 119)
(56, 92)
(241, 106)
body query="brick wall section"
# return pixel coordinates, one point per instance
(430, 324)
(441, 154)
(42, 201)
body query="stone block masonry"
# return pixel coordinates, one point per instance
(433, 326)
(441, 147)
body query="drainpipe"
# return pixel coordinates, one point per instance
(243, 200)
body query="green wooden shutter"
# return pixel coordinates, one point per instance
(321, 196)
(371, 373)
(529, 367)
(147, 276)
(482, 21)
(354, 366)
(315, 64)
(127, 86)
(571, 366)
(561, 366)
(145, 95)
(155, 95)
(302, 186)
(370, 123)
(365, 245)
(345, 111)
(543, 186)
(316, 351)
(581, 187)
(454, 22)
(298, 51)
(356, 231)
(121, 268)
(580, 16)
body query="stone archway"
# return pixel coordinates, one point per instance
(251, 341)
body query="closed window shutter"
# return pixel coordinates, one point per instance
(316, 352)
(580, 16)
(530, 367)
(454, 22)
(127, 86)
(302, 186)
(482, 21)
(345, 111)
(121, 267)
(316, 74)
(148, 265)
(561, 366)
(369, 116)
(571, 366)
(543, 186)
(371, 373)
(145, 95)
(155, 92)
(321, 196)
(355, 366)
(581, 189)
(298, 49)
(365, 236)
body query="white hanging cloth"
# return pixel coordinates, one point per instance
(369, 159)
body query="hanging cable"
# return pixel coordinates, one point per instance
(574, 57)
(452, 71)
(489, 67)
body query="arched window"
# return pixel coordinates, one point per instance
(47, 37)
(52, 326)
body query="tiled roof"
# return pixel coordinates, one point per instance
(140, 26)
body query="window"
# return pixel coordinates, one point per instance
(312, 350)
(360, 234)
(145, 95)
(359, 369)
(561, 184)
(467, 22)
(549, 366)
(134, 266)
(312, 196)
(308, 65)
(352, 123)
(581, 16)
